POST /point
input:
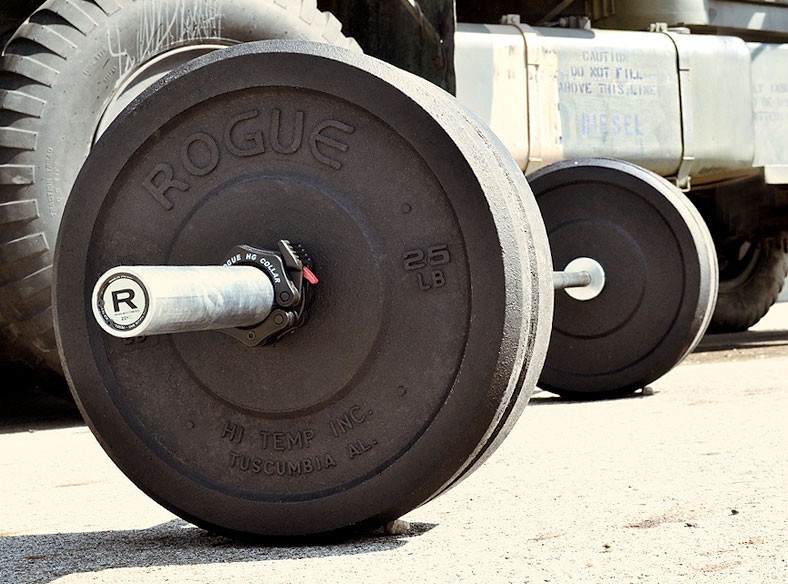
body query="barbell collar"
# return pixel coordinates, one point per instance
(133, 301)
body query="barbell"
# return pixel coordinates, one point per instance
(298, 290)
(134, 301)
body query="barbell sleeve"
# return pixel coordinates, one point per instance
(132, 301)
(564, 280)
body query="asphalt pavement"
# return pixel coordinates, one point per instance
(684, 482)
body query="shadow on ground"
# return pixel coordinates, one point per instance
(43, 558)
(543, 397)
(743, 340)
(30, 401)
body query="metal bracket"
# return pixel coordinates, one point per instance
(683, 176)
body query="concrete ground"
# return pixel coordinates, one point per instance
(685, 483)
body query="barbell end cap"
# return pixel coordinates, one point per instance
(121, 303)
(597, 273)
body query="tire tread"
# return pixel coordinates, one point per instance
(17, 175)
(21, 103)
(70, 11)
(16, 211)
(739, 309)
(15, 250)
(28, 67)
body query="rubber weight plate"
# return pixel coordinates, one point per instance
(661, 276)
(424, 340)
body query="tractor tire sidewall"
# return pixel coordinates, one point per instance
(64, 65)
(742, 305)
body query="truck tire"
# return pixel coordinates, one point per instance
(66, 72)
(749, 286)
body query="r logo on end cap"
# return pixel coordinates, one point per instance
(122, 302)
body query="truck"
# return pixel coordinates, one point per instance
(693, 90)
